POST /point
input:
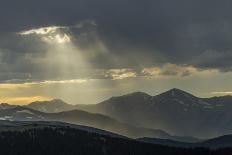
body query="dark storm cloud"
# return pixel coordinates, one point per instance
(136, 33)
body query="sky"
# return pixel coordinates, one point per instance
(85, 51)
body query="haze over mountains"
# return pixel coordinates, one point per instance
(175, 112)
(19, 113)
(52, 106)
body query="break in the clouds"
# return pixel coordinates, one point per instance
(56, 42)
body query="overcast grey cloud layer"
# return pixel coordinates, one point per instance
(135, 33)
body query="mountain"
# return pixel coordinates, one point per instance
(218, 142)
(214, 143)
(59, 138)
(6, 106)
(174, 111)
(88, 119)
(24, 125)
(106, 123)
(166, 142)
(19, 113)
(52, 106)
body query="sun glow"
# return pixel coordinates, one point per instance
(51, 34)
(62, 58)
(42, 30)
(58, 38)
(23, 99)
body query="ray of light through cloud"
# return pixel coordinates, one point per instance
(64, 60)
(75, 64)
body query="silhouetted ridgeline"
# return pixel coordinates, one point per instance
(175, 112)
(69, 141)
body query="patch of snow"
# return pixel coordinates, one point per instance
(180, 102)
(203, 103)
(9, 118)
(25, 111)
(3, 118)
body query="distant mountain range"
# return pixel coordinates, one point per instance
(175, 111)
(52, 106)
(7, 106)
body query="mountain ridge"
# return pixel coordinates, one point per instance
(175, 111)
(80, 117)
(214, 143)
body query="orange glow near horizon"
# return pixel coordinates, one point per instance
(23, 100)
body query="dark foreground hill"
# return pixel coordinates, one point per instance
(39, 138)
(214, 143)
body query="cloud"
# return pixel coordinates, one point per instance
(13, 86)
(27, 84)
(121, 34)
(214, 59)
(162, 72)
(173, 70)
(51, 34)
(117, 74)
(23, 99)
(42, 30)
(222, 93)
(57, 39)
(62, 81)
(83, 24)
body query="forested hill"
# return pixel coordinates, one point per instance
(69, 141)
